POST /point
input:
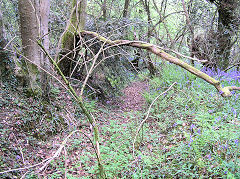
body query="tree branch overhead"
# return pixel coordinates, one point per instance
(224, 91)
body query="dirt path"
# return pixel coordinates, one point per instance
(132, 97)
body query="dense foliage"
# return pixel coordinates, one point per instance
(191, 131)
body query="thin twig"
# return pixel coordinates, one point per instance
(148, 112)
(91, 69)
(65, 163)
(24, 168)
(58, 151)
(20, 148)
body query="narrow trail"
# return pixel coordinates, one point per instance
(132, 97)
(130, 104)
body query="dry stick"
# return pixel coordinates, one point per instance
(58, 151)
(82, 106)
(229, 68)
(224, 91)
(184, 56)
(91, 69)
(62, 146)
(24, 168)
(24, 175)
(148, 112)
(65, 163)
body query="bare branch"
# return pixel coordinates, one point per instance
(148, 112)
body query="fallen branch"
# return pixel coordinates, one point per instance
(24, 168)
(224, 91)
(148, 112)
(57, 153)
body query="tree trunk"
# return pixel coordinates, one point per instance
(227, 25)
(3, 54)
(44, 18)
(71, 37)
(188, 22)
(151, 66)
(104, 9)
(29, 27)
(126, 8)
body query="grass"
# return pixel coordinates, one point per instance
(192, 132)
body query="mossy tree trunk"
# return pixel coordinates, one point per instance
(126, 8)
(44, 10)
(151, 66)
(3, 54)
(29, 27)
(228, 23)
(33, 26)
(71, 37)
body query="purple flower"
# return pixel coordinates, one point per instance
(190, 141)
(234, 112)
(236, 142)
(218, 119)
(18, 157)
(210, 111)
(192, 127)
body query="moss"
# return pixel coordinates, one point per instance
(145, 45)
(67, 39)
(74, 3)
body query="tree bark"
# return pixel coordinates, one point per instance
(151, 66)
(44, 18)
(188, 22)
(226, 27)
(228, 24)
(104, 9)
(3, 54)
(71, 37)
(126, 8)
(29, 27)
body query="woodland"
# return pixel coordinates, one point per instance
(119, 89)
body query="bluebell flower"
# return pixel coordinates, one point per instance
(192, 127)
(236, 142)
(210, 111)
(190, 141)
(218, 119)
(175, 124)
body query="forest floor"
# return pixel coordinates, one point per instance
(20, 146)
(190, 132)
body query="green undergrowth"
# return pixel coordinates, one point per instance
(202, 129)
(191, 132)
